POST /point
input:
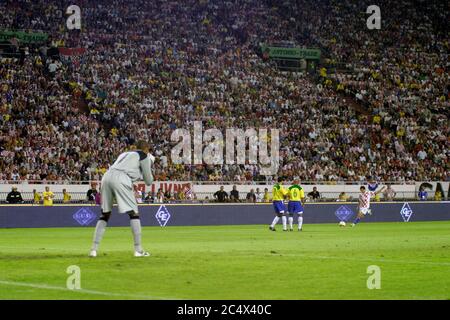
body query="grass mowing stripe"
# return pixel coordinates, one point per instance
(93, 292)
(367, 259)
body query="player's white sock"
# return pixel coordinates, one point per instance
(135, 225)
(98, 234)
(283, 218)
(300, 222)
(275, 221)
(291, 222)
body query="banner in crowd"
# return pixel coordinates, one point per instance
(165, 186)
(431, 187)
(292, 53)
(24, 37)
(71, 51)
(72, 56)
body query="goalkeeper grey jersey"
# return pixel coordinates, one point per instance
(136, 165)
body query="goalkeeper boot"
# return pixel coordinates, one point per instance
(93, 254)
(141, 254)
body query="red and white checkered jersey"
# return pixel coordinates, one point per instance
(364, 199)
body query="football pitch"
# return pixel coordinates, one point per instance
(324, 261)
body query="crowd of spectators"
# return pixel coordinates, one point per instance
(154, 66)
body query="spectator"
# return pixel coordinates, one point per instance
(438, 196)
(48, 196)
(98, 198)
(159, 196)
(52, 67)
(343, 197)
(168, 196)
(180, 195)
(189, 194)
(314, 195)
(251, 196)
(377, 197)
(389, 194)
(423, 195)
(66, 196)
(14, 196)
(36, 197)
(258, 195)
(90, 195)
(137, 195)
(150, 198)
(234, 195)
(266, 197)
(221, 195)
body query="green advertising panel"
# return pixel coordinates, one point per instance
(24, 37)
(292, 53)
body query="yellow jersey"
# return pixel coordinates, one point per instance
(279, 192)
(48, 198)
(37, 197)
(67, 197)
(296, 193)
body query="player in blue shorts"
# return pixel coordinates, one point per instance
(278, 195)
(295, 206)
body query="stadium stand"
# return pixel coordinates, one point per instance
(376, 105)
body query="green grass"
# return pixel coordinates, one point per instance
(231, 262)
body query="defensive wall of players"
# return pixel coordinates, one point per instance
(30, 216)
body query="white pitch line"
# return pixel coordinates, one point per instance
(42, 249)
(94, 292)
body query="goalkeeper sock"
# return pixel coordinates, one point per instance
(300, 222)
(284, 219)
(275, 221)
(135, 225)
(98, 234)
(291, 222)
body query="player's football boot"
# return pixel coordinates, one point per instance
(291, 229)
(272, 229)
(353, 225)
(301, 229)
(93, 254)
(141, 254)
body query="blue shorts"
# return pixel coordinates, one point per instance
(279, 207)
(295, 207)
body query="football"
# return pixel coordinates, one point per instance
(342, 224)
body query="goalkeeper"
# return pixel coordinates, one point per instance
(117, 183)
